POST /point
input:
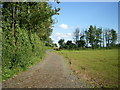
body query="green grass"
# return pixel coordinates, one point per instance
(48, 47)
(98, 67)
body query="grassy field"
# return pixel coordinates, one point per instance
(96, 67)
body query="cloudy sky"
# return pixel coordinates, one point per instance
(82, 15)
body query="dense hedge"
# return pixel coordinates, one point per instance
(25, 30)
(22, 56)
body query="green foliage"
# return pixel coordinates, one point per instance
(76, 35)
(23, 56)
(69, 45)
(110, 37)
(113, 37)
(92, 38)
(81, 43)
(61, 43)
(26, 27)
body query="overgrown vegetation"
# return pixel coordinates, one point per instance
(96, 67)
(26, 27)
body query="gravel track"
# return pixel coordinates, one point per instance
(52, 72)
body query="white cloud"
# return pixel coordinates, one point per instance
(63, 26)
(63, 35)
(69, 34)
(58, 37)
(59, 34)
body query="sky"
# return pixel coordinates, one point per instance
(81, 15)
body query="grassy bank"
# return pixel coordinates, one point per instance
(97, 67)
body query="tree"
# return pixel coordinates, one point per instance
(107, 37)
(103, 38)
(76, 35)
(70, 45)
(26, 27)
(91, 35)
(98, 38)
(113, 37)
(61, 43)
(49, 42)
(55, 45)
(86, 38)
(81, 43)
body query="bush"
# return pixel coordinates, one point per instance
(22, 55)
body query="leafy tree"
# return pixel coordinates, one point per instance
(103, 38)
(49, 42)
(55, 45)
(26, 27)
(81, 43)
(113, 37)
(107, 37)
(98, 38)
(86, 38)
(91, 35)
(70, 45)
(61, 43)
(76, 35)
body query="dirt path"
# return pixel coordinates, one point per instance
(50, 73)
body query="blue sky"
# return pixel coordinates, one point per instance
(82, 15)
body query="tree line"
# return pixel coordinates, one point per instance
(92, 37)
(26, 27)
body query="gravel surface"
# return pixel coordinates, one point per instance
(52, 72)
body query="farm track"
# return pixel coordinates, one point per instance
(52, 72)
